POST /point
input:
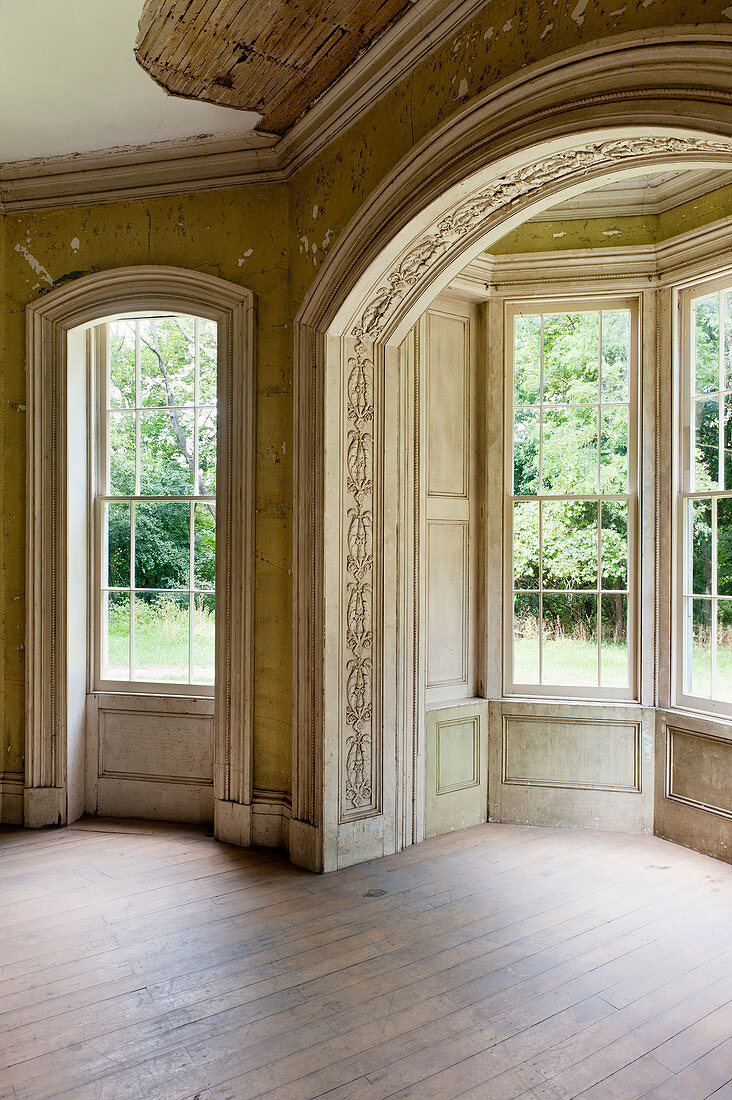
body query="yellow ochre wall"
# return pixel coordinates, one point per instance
(271, 238)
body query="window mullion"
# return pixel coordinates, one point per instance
(191, 585)
(133, 524)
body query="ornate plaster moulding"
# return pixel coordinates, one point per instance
(464, 220)
(676, 261)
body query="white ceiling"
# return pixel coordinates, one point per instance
(69, 83)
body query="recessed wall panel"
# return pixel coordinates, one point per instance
(447, 603)
(155, 746)
(700, 771)
(448, 445)
(458, 754)
(572, 753)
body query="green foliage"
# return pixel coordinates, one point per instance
(583, 413)
(164, 397)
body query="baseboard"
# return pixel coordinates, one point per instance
(304, 846)
(233, 823)
(271, 819)
(44, 806)
(11, 798)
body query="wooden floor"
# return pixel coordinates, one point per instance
(149, 961)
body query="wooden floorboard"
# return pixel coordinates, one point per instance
(145, 960)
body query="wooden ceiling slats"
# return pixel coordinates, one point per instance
(272, 56)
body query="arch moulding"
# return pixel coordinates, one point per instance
(54, 765)
(356, 747)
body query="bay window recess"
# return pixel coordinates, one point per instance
(571, 498)
(155, 504)
(704, 513)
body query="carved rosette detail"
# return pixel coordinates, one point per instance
(412, 268)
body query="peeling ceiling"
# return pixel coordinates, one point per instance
(69, 83)
(271, 56)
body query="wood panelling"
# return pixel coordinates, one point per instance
(150, 756)
(448, 408)
(447, 339)
(276, 58)
(586, 766)
(447, 603)
(150, 744)
(571, 753)
(456, 768)
(458, 754)
(699, 771)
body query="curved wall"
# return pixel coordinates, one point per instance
(273, 238)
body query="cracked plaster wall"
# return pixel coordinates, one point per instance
(251, 235)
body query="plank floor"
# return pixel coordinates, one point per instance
(142, 960)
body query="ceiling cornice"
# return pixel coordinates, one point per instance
(635, 201)
(206, 165)
(685, 257)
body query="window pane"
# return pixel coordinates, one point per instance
(526, 452)
(527, 359)
(727, 299)
(161, 637)
(723, 682)
(526, 639)
(614, 449)
(615, 544)
(121, 365)
(116, 631)
(569, 640)
(699, 633)
(700, 555)
(207, 362)
(167, 355)
(571, 357)
(615, 354)
(705, 344)
(204, 571)
(614, 641)
(526, 544)
(162, 545)
(121, 433)
(117, 528)
(204, 638)
(207, 451)
(727, 429)
(166, 452)
(724, 547)
(569, 457)
(706, 443)
(569, 544)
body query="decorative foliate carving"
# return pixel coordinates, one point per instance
(463, 220)
(503, 192)
(359, 786)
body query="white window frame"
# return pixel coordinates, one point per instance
(99, 484)
(683, 495)
(576, 303)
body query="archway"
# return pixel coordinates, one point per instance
(356, 753)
